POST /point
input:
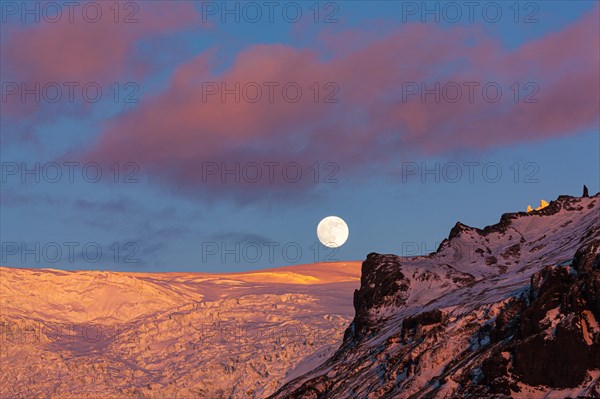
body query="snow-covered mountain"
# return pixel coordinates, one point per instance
(91, 334)
(511, 310)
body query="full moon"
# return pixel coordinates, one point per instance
(332, 231)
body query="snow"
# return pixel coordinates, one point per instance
(552, 318)
(589, 327)
(130, 335)
(106, 334)
(471, 278)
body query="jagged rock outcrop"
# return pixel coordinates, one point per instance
(511, 310)
(557, 339)
(378, 293)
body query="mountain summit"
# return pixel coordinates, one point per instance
(510, 310)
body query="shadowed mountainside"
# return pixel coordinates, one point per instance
(510, 310)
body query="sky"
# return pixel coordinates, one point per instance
(214, 136)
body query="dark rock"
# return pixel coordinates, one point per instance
(457, 229)
(587, 258)
(494, 374)
(374, 292)
(491, 260)
(560, 362)
(512, 251)
(412, 323)
(560, 357)
(508, 320)
(585, 191)
(541, 336)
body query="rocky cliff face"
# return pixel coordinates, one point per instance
(511, 310)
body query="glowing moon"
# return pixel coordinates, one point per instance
(332, 231)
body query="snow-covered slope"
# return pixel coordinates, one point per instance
(91, 334)
(511, 310)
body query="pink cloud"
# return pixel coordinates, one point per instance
(171, 135)
(81, 51)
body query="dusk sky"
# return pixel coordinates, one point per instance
(224, 132)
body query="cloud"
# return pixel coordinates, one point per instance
(79, 51)
(148, 245)
(173, 135)
(120, 205)
(10, 198)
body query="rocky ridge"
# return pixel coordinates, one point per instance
(510, 310)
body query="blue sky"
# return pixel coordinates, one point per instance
(163, 214)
